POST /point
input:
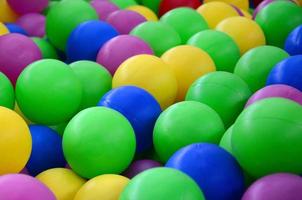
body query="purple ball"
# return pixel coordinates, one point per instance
(278, 90)
(20, 186)
(139, 166)
(280, 186)
(103, 8)
(125, 20)
(28, 6)
(119, 49)
(16, 52)
(33, 24)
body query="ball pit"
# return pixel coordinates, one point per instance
(144, 11)
(14, 28)
(7, 93)
(139, 166)
(33, 24)
(293, 43)
(103, 8)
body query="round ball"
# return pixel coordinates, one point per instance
(124, 3)
(47, 50)
(293, 43)
(226, 140)
(3, 29)
(15, 142)
(91, 129)
(177, 186)
(103, 8)
(215, 170)
(146, 12)
(139, 166)
(167, 5)
(14, 28)
(221, 47)
(139, 107)
(33, 24)
(151, 74)
(265, 124)
(7, 93)
(188, 64)
(27, 6)
(48, 92)
(6, 13)
(260, 6)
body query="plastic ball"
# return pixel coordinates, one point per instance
(48, 92)
(242, 4)
(123, 4)
(150, 73)
(47, 50)
(19, 186)
(14, 28)
(217, 87)
(152, 4)
(15, 142)
(265, 124)
(293, 43)
(255, 65)
(63, 182)
(287, 72)
(119, 49)
(27, 6)
(179, 18)
(175, 127)
(221, 47)
(47, 150)
(177, 186)
(140, 166)
(215, 170)
(167, 5)
(7, 93)
(247, 37)
(215, 12)
(158, 35)
(33, 24)
(63, 18)
(11, 47)
(226, 140)
(139, 107)
(116, 19)
(279, 17)
(188, 64)
(144, 11)
(6, 12)
(260, 6)
(276, 186)
(103, 8)
(91, 129)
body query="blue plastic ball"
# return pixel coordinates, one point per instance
(293, 44)
(47, 150)
(87, 38)
(139, 107)
(287, 72)
(14, 28)
(214, 169)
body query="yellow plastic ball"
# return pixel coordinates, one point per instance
(150, 73)
(245, 32)
(64, 183)
(6, 13)
(3, 29)
(246, 14)
(215, 12)
(144, 11)
(104, 187)
(15, 142)
(188, 64)
(243, 4)
(17, 110)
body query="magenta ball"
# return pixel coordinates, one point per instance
(119, 49)
(282, 91)
(280, 186)
(33, 24)
(139, 166)
(125, 20)
(103, 8)
(28, 6)
(20, 186)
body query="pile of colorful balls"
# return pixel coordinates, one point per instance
(150, 100)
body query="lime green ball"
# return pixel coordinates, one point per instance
(221, 47)
(48, 92)
(96, 81)
(98, 141)
(267, 137)
(277, 20)
(50, 5)
(160, 36)
(183, 124)
(225, 92)
(124, 3)
(180, 17)
(225, 141)
(7, 93)
(255, 65)
(152, 4)
(162, 184)
(64, 17)
(47, 50)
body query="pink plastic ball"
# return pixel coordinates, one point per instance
(103, 8)
(33, 24)
(28, 6)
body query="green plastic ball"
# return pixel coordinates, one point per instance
(162, 184)
(48, 92)
(225, 141)
(64, 17)
(98, 141)
(221, 47)
(277, 20)
(7, 93)
(183, 124)
(47, 50)
(225, 92)
(152, 4)
(122, 4)
(160, 36)
(267, 137)
(180, 17)
(255, 65)
(96, 81)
